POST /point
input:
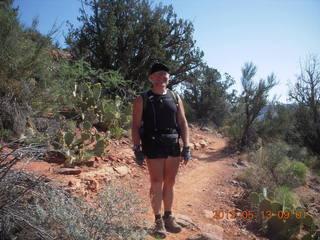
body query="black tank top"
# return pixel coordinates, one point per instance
(160, 113)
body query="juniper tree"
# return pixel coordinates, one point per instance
(22, 58)
(306, 93)
(206, 96)
(129, 35)
(254, 99)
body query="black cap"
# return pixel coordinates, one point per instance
(158, 67)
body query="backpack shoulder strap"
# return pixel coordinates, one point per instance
(175, 96)
(145, 97)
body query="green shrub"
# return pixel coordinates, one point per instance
(270, 154)
(117, 132)
(266, 159)
(312, 162)
(299, 169)
(257, 178)
(23, 59)
(302, 154)
(233, 132)
(298, 153)
(274, 157)
(286, 197)
(278, 170)
(5, 134)
(276, 122)
(276, 152)
(290, 173)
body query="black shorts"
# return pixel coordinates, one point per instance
(152, 148)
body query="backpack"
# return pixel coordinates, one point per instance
(145, 98)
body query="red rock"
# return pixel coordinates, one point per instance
(89, 163)
(68, 171)
(203, 143)
(196, 146)
(92, 185)
(55, 157)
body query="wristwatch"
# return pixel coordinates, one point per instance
(136, 148)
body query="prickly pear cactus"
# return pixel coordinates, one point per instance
(87, 97)
(76, 146)
(280, 222)
(107, 114)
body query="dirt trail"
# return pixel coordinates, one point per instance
(205, 185)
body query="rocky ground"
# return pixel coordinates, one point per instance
(206, 185)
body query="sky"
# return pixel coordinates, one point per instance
(275, 35)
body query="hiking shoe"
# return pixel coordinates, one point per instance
(171, 225)
(159, 230)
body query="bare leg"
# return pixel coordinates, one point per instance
(171, 166)
(156, 169)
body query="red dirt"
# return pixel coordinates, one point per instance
(201, 187)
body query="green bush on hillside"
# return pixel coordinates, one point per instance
(276, 152)
(257, 178)
(23, 63)
(5, 134)
(271, 154)
(277, 157)
(233, 132)
(290, 173)
(286, 197)
(302, 154)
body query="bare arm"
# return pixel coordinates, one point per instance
(183, 124)
(136, 120)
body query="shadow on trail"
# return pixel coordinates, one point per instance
(216, 155)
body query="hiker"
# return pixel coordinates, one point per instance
(158, 120)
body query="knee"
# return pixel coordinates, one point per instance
(155, 189)
(169, 182)
(156, 184)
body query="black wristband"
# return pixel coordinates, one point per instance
(136, 148)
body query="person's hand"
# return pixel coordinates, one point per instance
(139, 156)
(186, 154)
